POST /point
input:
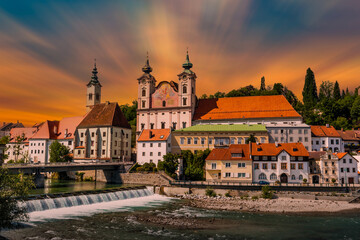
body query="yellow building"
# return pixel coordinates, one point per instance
(231, 164)
(202, 137)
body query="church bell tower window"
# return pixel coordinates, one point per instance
(184, 101)
(90, 96)
(143, 92)
(164, 103)
(184, 89)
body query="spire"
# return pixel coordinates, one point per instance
(147, 68)
(187, 64)
(94, 78)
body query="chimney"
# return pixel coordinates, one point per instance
(66, 132)
(150, 134)
(250, 150)
(276, 144)
(327, 125)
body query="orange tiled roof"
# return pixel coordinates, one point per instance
(323, 131)
(227, 153)
(316, 154)
(340, 155)
(349, 135)
(154, 135)
(270, 149)
(244, 107)
(26, 132)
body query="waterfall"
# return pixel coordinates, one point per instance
(77, 200)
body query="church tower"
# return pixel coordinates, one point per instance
(187, 82)
(146, 87)
(93, 92)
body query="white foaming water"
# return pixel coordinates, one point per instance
(86, 205)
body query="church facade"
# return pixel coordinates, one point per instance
(166, 104)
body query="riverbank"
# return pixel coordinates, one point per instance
(278, 205)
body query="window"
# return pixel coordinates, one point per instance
(143, 93)
(347, 169)
(290, 131)
(256, 166)
(151, 153)
(103, 152)
(262, 140)
(239, 140)
(213, 166)
(273, 166)
(227, 174)
(174, 125)
(82, 134)
(291, 139)
(164, 103)
(353, 169)
(184, 101)
(188, 140)
(301, 177)
(127, 135)
(241, 165)
(162, 125)
(142, 126)
(264, 166)
(300, 139)
(81, 143)
(241, 175)
(300, 131)
(202, 141)
(227, 165)
(232, 140)
(143, 144)
(159, 153)
(159, 144)
(184, 124)
(273, 176)
(306, 139)
(69, 143)
(182, 140)
(115, 143)
(151, 144)
(276, 131)
(143, 103)
(90, 96)
(127, 144)
(344, 161)
(79, 151)
(325, 163)
(104, 134)
(42, 151)
(115, 152)
(92, 152)
(283, 158)
(196, 140)
(292, 165)
(305, 131)
(143, 153)
(184, 89)
(92, 143)
(350, 160)
(332, 141)
(283, 166)
(342, 169)
(262, 176)
(293, 177)
(337, 141)
(300, 166)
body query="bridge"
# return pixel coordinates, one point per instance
(108, 170)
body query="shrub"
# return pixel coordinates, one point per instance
(88, 179)
(227, 194)
(278, 182)
(79, 176)
(254, 198)
(266, 192)
(139, 169)
(333, 180)
(333, 194)
(210, 192)
(304, 180)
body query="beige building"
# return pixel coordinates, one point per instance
(104, 134)
(232, 164)
(210, 136)
(323, 167)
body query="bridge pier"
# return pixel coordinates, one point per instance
(39, 179)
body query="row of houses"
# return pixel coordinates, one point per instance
(279, 163)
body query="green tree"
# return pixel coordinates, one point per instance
(262, 86)
(309, 93)
(5, 140)
(250, 139)
(336, 93)
(219, 95)
(326, 90)
(355, 109)
(169, 164)
(194, 164)
(59, 152)
(12, 187)
(204, 96)
(18, 147)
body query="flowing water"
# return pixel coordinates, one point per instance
(137, 214)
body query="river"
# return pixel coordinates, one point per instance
(159, 217)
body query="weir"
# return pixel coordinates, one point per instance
(49, 202)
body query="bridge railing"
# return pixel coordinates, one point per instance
(16, 165)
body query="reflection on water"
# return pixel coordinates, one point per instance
(62, 186)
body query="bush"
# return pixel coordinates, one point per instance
(227, 194)
(333, 180)
(305, 180)
(266, 192)
(210, 192)
(254, 198)
(278, 182)
(139, 169)
(79, 176)
(88, 179)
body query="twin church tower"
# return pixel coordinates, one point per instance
(169, 105)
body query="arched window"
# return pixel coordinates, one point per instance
(273, 176)
(301, 177)
(143, 92)
(293, 177)
(184, 89)
(262, 176)
(330, 149)
(336, 149)
(164, 103)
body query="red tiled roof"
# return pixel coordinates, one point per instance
(323, 131)
(104, 115)
(26, 132)
(270, 149)
(349, 135)
(340, 155)
(154, 135)
(316, 154)
(244, 107)
(227, 153)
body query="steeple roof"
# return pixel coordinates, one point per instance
(94, 78)
(187, 64)
(147, 68)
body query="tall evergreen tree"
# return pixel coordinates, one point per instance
(262, 86)
(336, 94)
(309, 93)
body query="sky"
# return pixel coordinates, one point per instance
(47, 48)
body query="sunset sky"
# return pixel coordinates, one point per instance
(47, 49)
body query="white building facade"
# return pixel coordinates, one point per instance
(326, 138)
